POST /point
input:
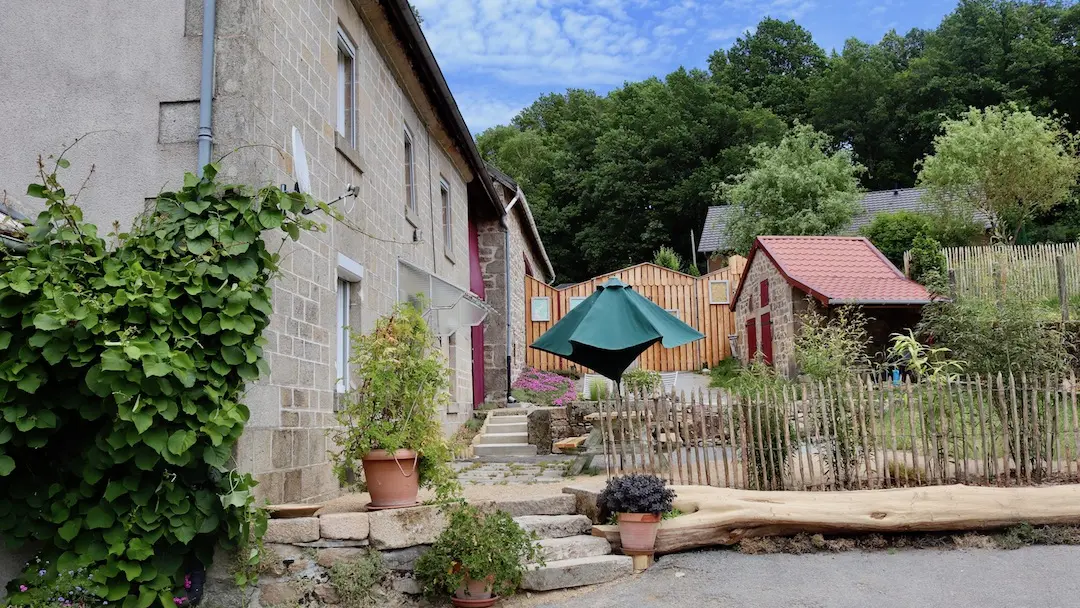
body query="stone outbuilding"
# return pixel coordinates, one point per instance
(787, 275)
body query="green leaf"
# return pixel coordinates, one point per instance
(245, 269)
(114, 361)
(200, 246)
(139, 549)
(70, 529)
(245, 325)
(5, 339)
(36, 191)
(142, 420)
(131, 570)
(7, 465)
(156, 438)
(115, 490)
(233, 355)
(181, 441)
(30, 382)
(196, 207)
(6, 434)
(46, 322)
(192, 313)
(99, 518)
(152, 366)
(63, 163)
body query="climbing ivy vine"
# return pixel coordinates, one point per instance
(122, 374)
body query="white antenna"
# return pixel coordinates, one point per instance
(300, 167)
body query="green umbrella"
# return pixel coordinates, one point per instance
(611, 328)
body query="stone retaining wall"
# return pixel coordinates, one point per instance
(548, 425)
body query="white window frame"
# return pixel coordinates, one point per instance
(727, 284)
(532, 309)
(575, 301)
(346, 128)
(409, 149)
(350, 275)
(447, 202)
(673, 312)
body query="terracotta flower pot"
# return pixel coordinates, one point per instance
(475, 593)
(638, 531)
(392, 478)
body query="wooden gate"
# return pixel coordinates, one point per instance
(701, 302)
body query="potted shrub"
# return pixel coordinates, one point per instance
(478, 558)
(390, 420)
(640, 502)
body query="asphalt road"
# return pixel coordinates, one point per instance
(1043, 577)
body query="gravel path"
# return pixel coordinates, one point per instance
(1029, 577)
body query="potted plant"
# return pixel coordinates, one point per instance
(477, 558)
(389, 420)
(640, 502)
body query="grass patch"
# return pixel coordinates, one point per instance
(723, 374)
(358, 581)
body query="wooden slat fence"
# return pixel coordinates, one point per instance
(852, 435)
(1028, 271)
(686, 296)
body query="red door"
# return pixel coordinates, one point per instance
(764, 293)
(766, 338)
(751, 339)
(476, 285)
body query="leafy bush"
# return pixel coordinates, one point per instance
(544, 388)
(928, 264)
(477, 545)
(404, 383)
(636, 493)
(724, 372)
(122, 374)
(833, 347)
(926, 362)
(642, 381)
(666, 257)
(598, 390)
(895, 233)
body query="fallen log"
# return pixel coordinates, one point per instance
(723, 516)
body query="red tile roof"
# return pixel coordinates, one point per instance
(837, 270)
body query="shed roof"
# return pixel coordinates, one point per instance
(837, 270)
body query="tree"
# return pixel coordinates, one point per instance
(774, 66)
(796, 187)
(666, 257)
(1003, 162)
(895, 233)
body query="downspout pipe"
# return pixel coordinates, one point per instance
(206, 87)
(506, 281)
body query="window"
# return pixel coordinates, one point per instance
(673, 312)
(451, 346)
(342, 355)
(447, 216)
(764, 293)
(575, 300)
(346, 88)
(349, 276)
(541, 309)
(410, 176)
(719, 292)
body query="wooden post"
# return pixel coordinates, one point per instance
(1063, 289)
(703, 422)
(987, 451)
(603, 435)
(675, 435)
(826, 405)
(952, 284)
(722, 441)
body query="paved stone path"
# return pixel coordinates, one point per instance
(513, 471)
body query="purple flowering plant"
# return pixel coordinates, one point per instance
(44, 586)
(544, 388)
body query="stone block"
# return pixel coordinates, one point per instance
(540, 430)
(400, 528)
(295, 530)
(282, 559)
(278, 593)
(406, 584)
(562, 504)
(403, 560)
(578, 572)
(328, 557)
(555, 526)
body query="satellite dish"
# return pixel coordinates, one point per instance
(300, 167)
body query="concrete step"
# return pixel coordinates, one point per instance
(560, 504)
(489, 438)
(508, 420)
(555, 526)
(510, 427)
(578, 572)
(573, 547)
(504, 449)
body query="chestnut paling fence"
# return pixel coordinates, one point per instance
(990, 430)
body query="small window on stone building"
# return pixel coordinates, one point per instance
(346, 88)
(447, 216)
(410, 176)
(349, 275)
(452, 360)
(765, 293)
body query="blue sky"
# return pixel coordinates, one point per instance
(500, 55)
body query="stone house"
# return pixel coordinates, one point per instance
(358, 83)
(787, 275)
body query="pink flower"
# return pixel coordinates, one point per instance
(23, 588)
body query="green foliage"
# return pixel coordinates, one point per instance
(928, 264)
(479, 546)
(724, 372)
(666, 257)
(121, 378)
(598, 390)
(799, 187)
(693, 270)
(997, 337)
(895, 233)
(640, 380)
(358, 581)
(833, 346)
(45, 583)
(403, 384)
(1004, 162)
(931, 363)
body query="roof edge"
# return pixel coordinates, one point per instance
(535, 233)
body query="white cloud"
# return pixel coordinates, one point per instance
(729, 32)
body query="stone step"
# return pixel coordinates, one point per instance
(508, 420)
(573, 547)
(555, 526)
(489, 438)
(504, 449)
(560, 504)
(578, 572)
(510, 427)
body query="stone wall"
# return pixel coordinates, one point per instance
(546, 426)
(782, 298)
(576, 413)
